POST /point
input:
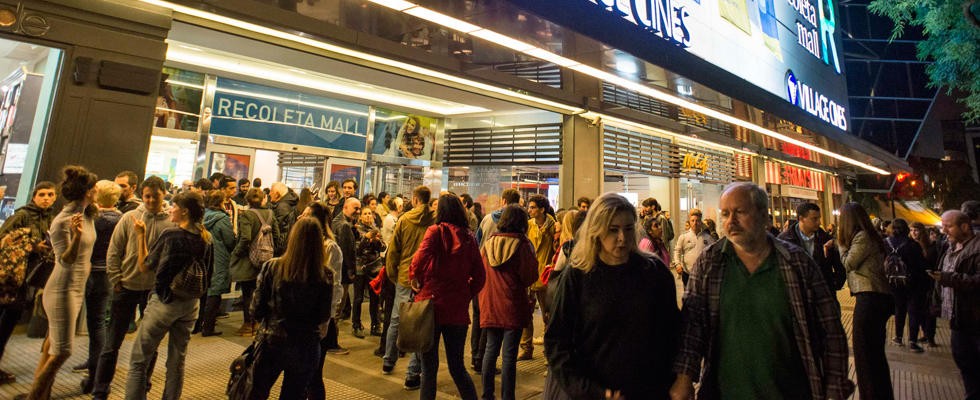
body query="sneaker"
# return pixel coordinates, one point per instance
(915, 347)
(932, 343)
(386, 369)
(376, 330)
(898, 341)
(538, 341)
(83, 367)
(338, 351)
(413, 383)
(525, 355)
(379, 352)
(358, 332)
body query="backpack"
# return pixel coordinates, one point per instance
(263, 247)
(192, 282)
(13, 265)
(895, 268)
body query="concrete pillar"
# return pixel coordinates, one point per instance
(827, 211)
(102, 109)
(581, 167)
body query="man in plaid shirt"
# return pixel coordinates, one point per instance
(759, 314)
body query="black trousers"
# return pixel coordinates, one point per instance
(478, 337)
(387, 304)
(296, 359)
(247, 287)
(122, 311)
(209, 315)
(966, 353)
(362, 282)
(9, 316)
(871, 313)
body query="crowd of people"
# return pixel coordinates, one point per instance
(759, 317)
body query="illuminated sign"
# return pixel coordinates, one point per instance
(815, 103)
(695, 162)
(755, 40)
(660, 17)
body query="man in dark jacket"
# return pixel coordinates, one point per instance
(910, 294)
(343, 230)
(128, 201)
(282, 201)
(960, 283)
(243, 186)
(806, 233)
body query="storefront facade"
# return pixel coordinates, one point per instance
(477, 96)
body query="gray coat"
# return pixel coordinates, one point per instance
(121, 265)
(865, 266)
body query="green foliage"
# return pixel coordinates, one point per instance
(952, 42)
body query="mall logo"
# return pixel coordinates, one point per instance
(657, 16)
(811, 101)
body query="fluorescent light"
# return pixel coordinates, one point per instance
(502, 40)
(608, 119)
(474, 86)
(442, 19)
(221, 61)
(293, 101)
(551, 57)
(398, 5)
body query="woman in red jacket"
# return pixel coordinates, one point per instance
(447, 269)
(511, 266)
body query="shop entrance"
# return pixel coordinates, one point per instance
(29, 74)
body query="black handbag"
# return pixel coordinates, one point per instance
(242, 370)
(40, 265)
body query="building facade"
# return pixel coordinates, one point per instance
(670, 99)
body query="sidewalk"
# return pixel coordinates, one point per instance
(928, 376)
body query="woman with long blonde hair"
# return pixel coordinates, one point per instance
(591, 352)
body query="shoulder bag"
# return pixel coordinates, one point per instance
(417, 321)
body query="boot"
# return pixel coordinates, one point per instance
(375, 330)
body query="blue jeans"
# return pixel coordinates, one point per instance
(510, 339)
(122, 312)
(966, 354)
(402, 294)
(176, 319)
(454, 338)
(96, 302)
(296, 359)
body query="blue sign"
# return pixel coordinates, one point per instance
(252, 111)
(815, 103)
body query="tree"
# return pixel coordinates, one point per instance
(952, 42)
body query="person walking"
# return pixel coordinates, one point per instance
(293, 303)
(130, 285)
(343, 229)
(760, 322)
(218, 223)
(591, 353)
(863, 254)
(369, 250)
(511, 267)
(448, 270)
(405, 241)
(72, 238)
(332, 264)
(36, 217)
(181, 260)
(242, 268)
(654, 242)
(930, 308)
(690, 245)
(387, 293)
(805, 232)
(909, 294)
(960, 298)
(97, 287)
(541, 233)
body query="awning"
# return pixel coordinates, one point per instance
(911, 211)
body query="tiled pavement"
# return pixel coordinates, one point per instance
(928, 376)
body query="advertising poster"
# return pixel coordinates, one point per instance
(339, 170)
(233, 165)
(179, 100)
(404, 135)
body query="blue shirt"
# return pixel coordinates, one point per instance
(806, 241)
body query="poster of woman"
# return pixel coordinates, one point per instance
(404, 135)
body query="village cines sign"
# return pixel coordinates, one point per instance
(657, 16)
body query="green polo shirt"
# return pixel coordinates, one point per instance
(758, 358)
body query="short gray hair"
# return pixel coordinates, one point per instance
(279, 188)
(758, 195)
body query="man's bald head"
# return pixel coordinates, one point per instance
(956, 225)
(351, 206)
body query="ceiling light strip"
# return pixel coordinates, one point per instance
(361, 55)
(626, 124)
(545, 55)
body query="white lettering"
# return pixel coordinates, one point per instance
(250, 106)
(237, 108)
(340, 125)
(265, 112)
(299, 115)
(309, 120)
(287, 116)
(328, 124)
(223, 105)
